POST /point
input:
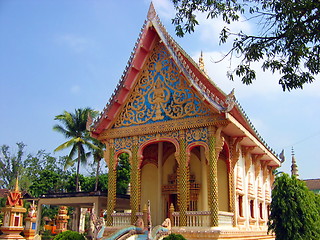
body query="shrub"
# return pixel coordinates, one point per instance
(69, 235)
(47, 235)
(173, 236)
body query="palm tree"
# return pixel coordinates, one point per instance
(97, 156)
(74, 128)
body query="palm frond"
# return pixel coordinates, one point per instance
(68, 163)
(73, 151)
(60, 129)
(65, 145)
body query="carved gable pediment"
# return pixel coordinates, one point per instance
(161, 93)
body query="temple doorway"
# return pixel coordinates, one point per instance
(158, 159)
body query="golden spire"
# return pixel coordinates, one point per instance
(16, 189)
(201, 64)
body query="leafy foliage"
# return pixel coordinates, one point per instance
(287, 41)
(174, 236)
(97, 156)
(87, 183)
(49, 211)
(69, 235)
(48, 182)
(74, 128)
(44, 174)
(123, 173)
(294, 210)
(2, 204)
(47, 235)
(11, 165)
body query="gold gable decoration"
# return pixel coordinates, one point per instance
(160, 94)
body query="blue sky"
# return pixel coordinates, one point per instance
(62, 55)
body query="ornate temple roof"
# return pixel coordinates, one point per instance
(198, 80)
(313, 184)
(3, 192)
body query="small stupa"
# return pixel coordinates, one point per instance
(13, 215)
(62, 219)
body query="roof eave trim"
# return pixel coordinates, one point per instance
(253, 139)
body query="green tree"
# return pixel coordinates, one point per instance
(87, 183)
(123, 173)
(97, 156)
(103, 182)
(48, 182)
(34, 165)
(74, 128)
(294, 210)
(287, 41)
(11, 165)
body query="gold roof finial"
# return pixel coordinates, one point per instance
(201, 64)
(16, 189)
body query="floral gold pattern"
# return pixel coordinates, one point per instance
(161, 94)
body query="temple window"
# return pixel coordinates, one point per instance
(261, 210)
(251, 208)
(16, 219)
(240, 205)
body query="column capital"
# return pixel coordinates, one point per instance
(257, 163)
(246, 153)
(236, 147)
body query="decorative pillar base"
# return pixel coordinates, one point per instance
(11, 233)
(30, 228)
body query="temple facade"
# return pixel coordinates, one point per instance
(194, 153)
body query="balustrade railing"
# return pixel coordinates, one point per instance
(123, 219)
(202, 218)
(194, 218)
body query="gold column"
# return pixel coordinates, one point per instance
(112, 181)
(183, 180)
(135, 182)
(215, 142)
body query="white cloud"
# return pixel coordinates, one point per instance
(164, 8)
(75, 43)
(75, 89)
(209, 29)
(266, 84)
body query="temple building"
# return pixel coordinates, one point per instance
(194, 153)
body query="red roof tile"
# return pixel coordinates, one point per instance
(2, 192)
(313, 184)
